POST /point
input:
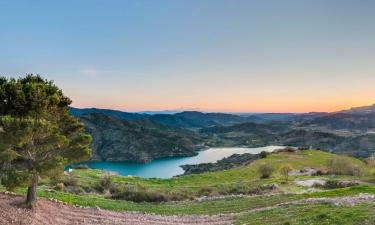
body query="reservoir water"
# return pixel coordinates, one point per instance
(169, 167)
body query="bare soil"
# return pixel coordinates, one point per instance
(47, 212)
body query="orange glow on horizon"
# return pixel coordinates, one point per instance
(242, 108)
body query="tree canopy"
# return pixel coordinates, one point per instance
(38, 137)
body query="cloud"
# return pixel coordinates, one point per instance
(89, 72)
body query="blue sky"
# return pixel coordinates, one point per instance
(209, 55)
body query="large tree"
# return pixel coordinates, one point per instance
(38, 137)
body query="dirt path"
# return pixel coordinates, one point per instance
(48, 212)
(349, 200)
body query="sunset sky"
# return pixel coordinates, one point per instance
(209, 55)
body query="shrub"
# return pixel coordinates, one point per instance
(265, 170)
(74, 189)
(105, 183)
(60, 187)
(342, 166)
(372, 174)
(69, 180)
(320, 172)
(286, 149)
(371, 161)
(333, 184)
(205, 191)
(81, 166)
(284, 171)
(263, 154)
(357, 171)
(141, 194)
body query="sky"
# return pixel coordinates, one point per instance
(207, 55)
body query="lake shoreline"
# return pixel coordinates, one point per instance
(168, 167)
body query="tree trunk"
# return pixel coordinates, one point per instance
(31, 190)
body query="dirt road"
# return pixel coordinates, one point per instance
(48, 212)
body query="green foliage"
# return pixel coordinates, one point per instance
(340, 165)
(37, 134)
(265, 170)
(284, 170)
(334, 184)
(141, 194)
(314, 214)
(70, 180)
(12, 179)
(227, 205)
(105, 183)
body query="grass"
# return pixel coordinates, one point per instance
(320, 214)
(211, 207)
(246, 174)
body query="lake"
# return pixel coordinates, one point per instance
(169, 167)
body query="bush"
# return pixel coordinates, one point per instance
(371, 161)
(105, 183)
(74, 189)
(357, 171)
(333, 184)
(342, 166)
(60, 187)
(141, 194)
(205, 191)
(372, 174)
(81, 166)
(265, 171)
(69, 180)
(284, 170)
(263, 154)
(320, 172)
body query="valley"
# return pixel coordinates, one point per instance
(123, 136)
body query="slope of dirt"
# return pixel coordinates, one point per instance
(48, 212)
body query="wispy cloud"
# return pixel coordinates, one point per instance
(89, 72)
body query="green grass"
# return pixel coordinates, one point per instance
(319, 214)
(192, 183)
(229, 205)
(246, 174)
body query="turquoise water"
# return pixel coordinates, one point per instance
(169, 167)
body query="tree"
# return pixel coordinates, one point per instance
(284, 170)
(38, 137)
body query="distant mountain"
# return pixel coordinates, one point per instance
(167, 112)
(109, 112)
(360, 110)
(142, 140)
(199, 119)
(142, 137)
(249, 127)
(349, 121)
(187, 119)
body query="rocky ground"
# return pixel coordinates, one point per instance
(48, 212)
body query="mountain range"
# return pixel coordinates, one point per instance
(125, 136)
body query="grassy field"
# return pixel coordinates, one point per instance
(322, 214)
(228, 205)
(248, 175)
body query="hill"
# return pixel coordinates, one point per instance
(237, 196)
(115, 139)
(349, 131)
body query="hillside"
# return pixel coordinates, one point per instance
(349, 132)
(238, 195)
(141, 141)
